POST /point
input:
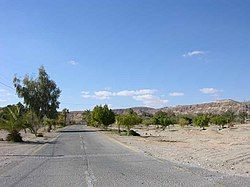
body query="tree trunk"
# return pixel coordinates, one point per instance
(119, 129)
(128, 129)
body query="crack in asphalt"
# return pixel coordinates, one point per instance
(90, 178)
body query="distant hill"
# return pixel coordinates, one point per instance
(138, 110)
(215, 107)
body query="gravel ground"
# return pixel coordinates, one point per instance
(226, 151)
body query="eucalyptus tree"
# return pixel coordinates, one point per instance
(40, 95)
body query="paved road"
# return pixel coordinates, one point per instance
(83, 157)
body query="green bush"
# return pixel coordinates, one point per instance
(201, 121)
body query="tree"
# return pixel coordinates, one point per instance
(148, 121)
(40, 95)
(219, 120)
(32, 122)
(12, 120)
(128, 121)
(65, 112)
(201, 121)
(230, 116)
(164, 119)
(87, 117)
(103, 115)
(242, 116)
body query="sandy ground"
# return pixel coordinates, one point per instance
(226, 151)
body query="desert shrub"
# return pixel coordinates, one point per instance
(183, 122)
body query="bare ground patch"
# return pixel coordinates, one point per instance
(226, 151)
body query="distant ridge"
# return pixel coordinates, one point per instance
(215, 107)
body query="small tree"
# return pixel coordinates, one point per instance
(148, 121)
(230, 116)
(242, 116)
(201, 121)
(183, 122)
(103, 115)
(164, 119)
(32, 122)
(129, 121)
(219, 120)
(86, 117)
(65, 113)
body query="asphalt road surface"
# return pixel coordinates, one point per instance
(83, 157)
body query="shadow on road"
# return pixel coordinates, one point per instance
(76, 131)
(37, 142)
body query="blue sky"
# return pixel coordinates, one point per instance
(128, 53)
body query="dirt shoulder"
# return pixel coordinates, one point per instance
(226, 151)
(13, 153)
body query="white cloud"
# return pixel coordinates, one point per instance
(128, 93)
(85, 94)
(209, 90)
(73, 63)
(125, 93)
(146, 96)
(194, 53)
(103, 94)
(176, 94)
(151, 100)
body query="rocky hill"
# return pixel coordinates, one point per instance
(75, 117)
(138, 110)
(215, 107)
